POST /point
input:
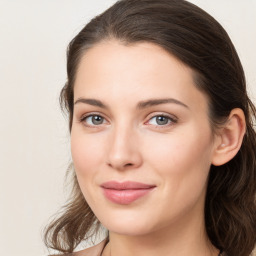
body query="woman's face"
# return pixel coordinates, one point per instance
(141, 139)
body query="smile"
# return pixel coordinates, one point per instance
(125, 192)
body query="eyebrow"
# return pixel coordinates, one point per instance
(92, 102)
(154, 102)
(140, 105)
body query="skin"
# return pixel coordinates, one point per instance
(130, 145)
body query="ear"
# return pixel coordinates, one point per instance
(229, 138)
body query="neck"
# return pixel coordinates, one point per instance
(180, 239)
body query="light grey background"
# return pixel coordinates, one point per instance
(34, 140)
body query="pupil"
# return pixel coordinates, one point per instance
(161, 120)
(97, 120)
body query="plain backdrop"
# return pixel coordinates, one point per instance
(34, 138)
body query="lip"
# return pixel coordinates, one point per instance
(125, 192)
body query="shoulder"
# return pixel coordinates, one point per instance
(91, 251)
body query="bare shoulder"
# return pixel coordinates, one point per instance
(91, 251)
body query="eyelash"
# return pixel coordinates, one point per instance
(83, 119)
(171, 120)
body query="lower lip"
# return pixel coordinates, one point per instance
(125, 196)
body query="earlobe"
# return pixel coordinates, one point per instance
(230, 138)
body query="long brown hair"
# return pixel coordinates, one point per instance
(200, 42)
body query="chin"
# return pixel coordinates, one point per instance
(126, 224)
(128, 229)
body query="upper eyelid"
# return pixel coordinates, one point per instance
(171, 116)
(93, 114)
(147, 116)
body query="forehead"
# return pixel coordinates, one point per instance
(141, 70)
(108, 56)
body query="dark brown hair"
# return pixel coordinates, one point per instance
(200, 42)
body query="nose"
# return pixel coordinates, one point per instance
(123, 149)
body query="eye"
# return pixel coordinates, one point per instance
(93, 120)
(161, 120)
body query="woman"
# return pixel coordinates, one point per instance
(162, 138)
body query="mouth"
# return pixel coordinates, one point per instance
(125, 192)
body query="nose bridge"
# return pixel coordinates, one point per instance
(123, 149)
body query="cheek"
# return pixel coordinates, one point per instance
(183, 162)
(87, 158)
(182, 159)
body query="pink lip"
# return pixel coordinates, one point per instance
(125, 192)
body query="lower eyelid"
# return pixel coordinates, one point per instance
(169, 125)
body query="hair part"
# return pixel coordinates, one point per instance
(199, 41)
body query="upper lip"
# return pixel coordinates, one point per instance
(126, 185)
